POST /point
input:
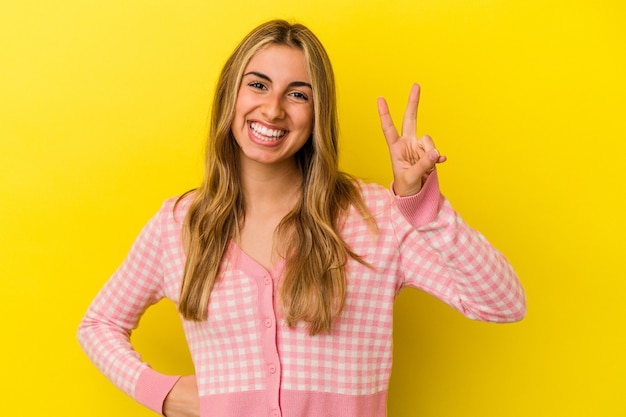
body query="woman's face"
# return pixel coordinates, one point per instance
(274, 109)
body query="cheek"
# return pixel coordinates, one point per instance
(238, 108)
(237, 125)
(241, 104)
(308, 120)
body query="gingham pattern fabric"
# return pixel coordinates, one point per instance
(248, 362)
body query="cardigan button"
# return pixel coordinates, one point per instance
(267, 281)
(272, 369)
(268, 323)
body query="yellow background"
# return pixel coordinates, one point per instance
(103, 109)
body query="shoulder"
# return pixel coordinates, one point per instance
(174, 209)
(372, 207)
(374, 195)
(371, 189)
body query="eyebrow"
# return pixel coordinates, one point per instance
(291, 84)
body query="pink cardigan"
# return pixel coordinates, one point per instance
(249, 363)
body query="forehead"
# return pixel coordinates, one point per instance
(280, 62)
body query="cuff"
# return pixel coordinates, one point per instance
(152, 388)
(423, 207)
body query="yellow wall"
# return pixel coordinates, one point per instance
(102, 114)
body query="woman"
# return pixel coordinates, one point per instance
(283, 268)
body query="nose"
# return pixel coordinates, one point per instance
(273, 108)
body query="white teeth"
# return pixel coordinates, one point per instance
(263, 133)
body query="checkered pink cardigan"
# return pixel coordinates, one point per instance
(249, 363)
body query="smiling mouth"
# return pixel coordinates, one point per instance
(266, 135)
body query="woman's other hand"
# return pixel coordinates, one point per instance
(183, 399)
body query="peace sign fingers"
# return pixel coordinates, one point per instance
(409, 123)
(411, 159)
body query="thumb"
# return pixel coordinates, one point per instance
(411, 181)
(430, 159)
(427, 163)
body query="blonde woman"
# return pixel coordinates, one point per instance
(283, 268)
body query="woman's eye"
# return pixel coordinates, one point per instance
(257, 85)
(300, 96)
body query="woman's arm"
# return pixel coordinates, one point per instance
(104, 332)
(440, 253)
(443, 256)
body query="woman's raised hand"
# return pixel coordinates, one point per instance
(412, 159)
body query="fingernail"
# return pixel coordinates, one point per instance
(434, 155)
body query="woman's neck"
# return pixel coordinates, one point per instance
(270, 193)
(271, 187)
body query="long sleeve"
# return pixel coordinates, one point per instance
(104, 332)
(445, 257)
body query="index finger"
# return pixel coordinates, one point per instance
(389, 129)
(409, 122)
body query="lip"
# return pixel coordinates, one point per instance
(254, 137)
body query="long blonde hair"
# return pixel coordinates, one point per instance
(314, 287)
